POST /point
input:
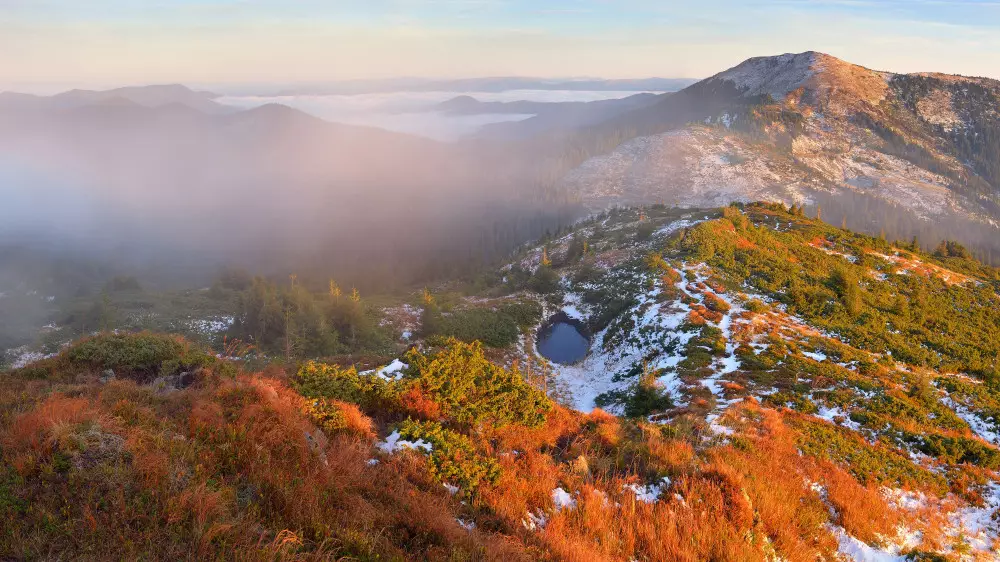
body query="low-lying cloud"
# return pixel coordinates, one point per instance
(414, 112)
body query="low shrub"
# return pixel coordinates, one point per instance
(140, 356)
(453, 457)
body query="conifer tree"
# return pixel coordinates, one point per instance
(546, 262)
(430, 317)
(335, 291)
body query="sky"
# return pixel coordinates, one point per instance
(55, 44)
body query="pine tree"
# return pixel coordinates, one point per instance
(545, 258)
(335, 291)
(355, 295)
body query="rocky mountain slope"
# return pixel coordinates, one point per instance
(790, 126)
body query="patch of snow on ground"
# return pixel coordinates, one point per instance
(978, 526)
(830, 413)
(534, 521)
(562, 499)
(979, 426)
(815, 356)
(571, 306)
(394, 443)
(858, 551)
(649, 493)
(22, 357)
(392, 371)
(905, 499)
(211, 326)
(674, 227)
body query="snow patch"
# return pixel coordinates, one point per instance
(562, 499)
(649, 493)
(394, 443)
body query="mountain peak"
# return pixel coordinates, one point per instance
(823, 77)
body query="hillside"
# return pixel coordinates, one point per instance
(546, 116)
(145, 96)
(810, 128)
(769, 387)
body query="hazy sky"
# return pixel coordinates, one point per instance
(55, 43)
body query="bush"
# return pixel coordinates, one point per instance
(645, 231)
(142, 356)
(334, 416)
(544, 281)
(319, 380)
(525, 313)
(646, 398)
(716, 304)
(494, 329)
(467, 388)
(453, 457)
(472, 390)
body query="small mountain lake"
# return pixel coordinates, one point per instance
(563, 340)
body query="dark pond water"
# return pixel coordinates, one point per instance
(562, 340)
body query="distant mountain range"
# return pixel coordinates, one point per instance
(488, 85)
(144, 96)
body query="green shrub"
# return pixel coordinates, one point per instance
(957, 450)
(142, 355)
(493, 328)
(470, 389)
(453, 457)
(320, 380)
(473, 390)
(646, 398)
(645, 231)
(526, 313)
(868, 463)
(544, 281)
